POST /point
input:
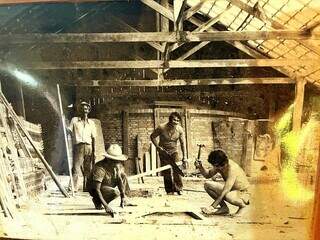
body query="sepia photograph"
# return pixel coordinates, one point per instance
(160, 119)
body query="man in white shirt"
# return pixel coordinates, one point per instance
(83, 132)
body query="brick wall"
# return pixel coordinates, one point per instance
(141, 121)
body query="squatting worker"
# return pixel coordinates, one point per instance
(108, 180)
(234, 189)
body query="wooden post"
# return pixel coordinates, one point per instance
(187, 131)
(298, 105)
(22, 110)
(125, 131)
(272, 110)
(65, 138)
(316, 210)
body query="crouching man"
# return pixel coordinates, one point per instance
(105, 177)
(234, 189)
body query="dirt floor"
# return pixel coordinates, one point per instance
(159, 216)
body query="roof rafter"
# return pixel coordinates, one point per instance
(168, 64)
(155, 36)
(183, 82)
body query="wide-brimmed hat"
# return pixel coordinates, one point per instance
(114, 152)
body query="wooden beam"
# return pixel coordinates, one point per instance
(125, 131)
(193, 10)
(316, 208)
(159, 8)
(181, 82)
(170, 64)
(244, 48)
(178, 10)
(298, 105)
(12, 2)
(197, 36)
(155, 45)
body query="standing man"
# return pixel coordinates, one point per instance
(106, 176)
(169, 134)
(83, 132)
(234, 190)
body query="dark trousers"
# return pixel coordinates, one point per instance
(172, 180)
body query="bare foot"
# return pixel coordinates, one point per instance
(212, 211)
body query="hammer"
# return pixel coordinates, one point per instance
(199, 151)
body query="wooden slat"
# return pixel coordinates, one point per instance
(153, 158)
(298, 105)
(178, 9)
(159, 8)
(244, 48)
(196, 36)
(193, 10)
(170, 64)
(130, 28)
(181, 82)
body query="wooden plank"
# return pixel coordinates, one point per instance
(41, 157)
(147, 173)
(178, 10)
(298, 105)
(195, 36)
(316, 208)
(153, 158)
(244, 48)
(130, 28)
(125, 131)
(219, 63)
(147, 162)
(193, 10)
(159, 8)
(180, 82)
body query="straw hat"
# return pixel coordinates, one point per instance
(85, 103)
(114, 152)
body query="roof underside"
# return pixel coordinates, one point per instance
(270, 15)
(238, 15)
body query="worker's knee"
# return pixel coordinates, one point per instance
(211, 186)
(116, 192)
(207, 186)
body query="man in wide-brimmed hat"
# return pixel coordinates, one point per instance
(83, 133)
(108, 180)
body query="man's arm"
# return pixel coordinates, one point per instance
(206, 173)
(183, 146)
(97, 187)
(156, 133)
(226, 189)
(120, 183)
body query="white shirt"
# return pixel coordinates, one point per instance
(82, 131)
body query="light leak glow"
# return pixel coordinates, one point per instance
(24, 77)
(292, 143)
